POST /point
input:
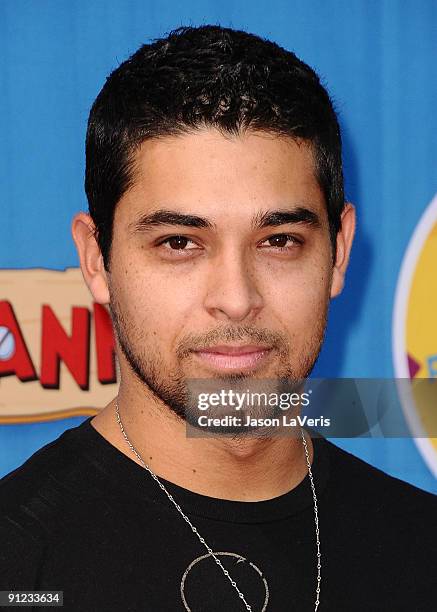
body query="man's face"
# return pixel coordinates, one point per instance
(178, 288)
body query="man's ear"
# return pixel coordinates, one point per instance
(90, 256)
(345, 238)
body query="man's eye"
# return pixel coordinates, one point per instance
(177, 243)
(283, 242)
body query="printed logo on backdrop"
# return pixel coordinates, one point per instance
(57, 355)
(415, 330)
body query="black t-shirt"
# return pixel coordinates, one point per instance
(81, 517)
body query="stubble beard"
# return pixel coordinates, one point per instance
(172, 388)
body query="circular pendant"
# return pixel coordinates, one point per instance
(239, 559)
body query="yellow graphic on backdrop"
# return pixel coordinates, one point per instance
(415, 331)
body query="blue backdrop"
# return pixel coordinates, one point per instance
(377, 59)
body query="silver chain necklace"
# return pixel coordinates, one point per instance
(202, 540)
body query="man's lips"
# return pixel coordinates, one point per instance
(231, 357)
(227, 349)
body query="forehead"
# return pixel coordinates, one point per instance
(219, 176)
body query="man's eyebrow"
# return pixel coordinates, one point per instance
(270, 218)
(168, 217)
(299, 214)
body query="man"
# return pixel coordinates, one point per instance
(217, 234)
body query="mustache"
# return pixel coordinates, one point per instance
(226, 335)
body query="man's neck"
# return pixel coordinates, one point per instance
(249, 469)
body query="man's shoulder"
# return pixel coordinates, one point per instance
(386, 528)
(359, 480)
(51, 458)
(31, 505)
(36, 462)
(45, 488)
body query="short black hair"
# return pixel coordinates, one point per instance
(206, 76)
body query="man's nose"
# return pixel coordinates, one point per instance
(233, 291)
